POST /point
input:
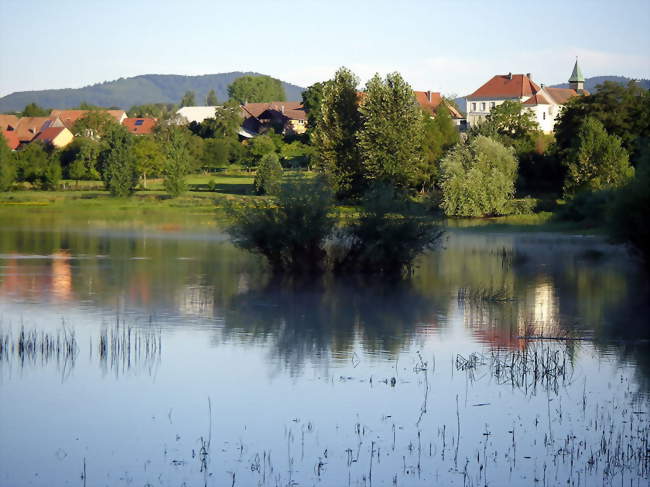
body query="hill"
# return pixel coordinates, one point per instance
(590, 85)
(138, 90)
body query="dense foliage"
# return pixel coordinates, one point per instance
(268, 175)
(7, 165)
(440, 135)
(256, 89)
(392, 132)
(290, 233)
(387, 237)
(335, 137)
(596, 160)
(118, 163)
(478, 178)
(38, 166)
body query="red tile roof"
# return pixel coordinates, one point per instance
(11, 138)
(506, 86)
(431, 100)
(7, 121)
(556, 95)
(69, 117)
(140, 126)
(28, 127)
(49, 134)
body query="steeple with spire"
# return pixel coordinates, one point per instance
(577, 80)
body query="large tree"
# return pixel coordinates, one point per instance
(177, 161)
(7, 165)
(335, 138)
(624, 111)
(79, 159)
(597, 160)
(118, 163)
(149, 158)
(38, 166)
(34, 110)
(392, 131)
(255, 89)
(440, 134)
(189, 99)
(94, 124)
(312, 100)
(211, 100)
(478, 178)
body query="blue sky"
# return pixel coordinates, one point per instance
(448, 46)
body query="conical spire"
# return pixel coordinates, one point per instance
(576, 76)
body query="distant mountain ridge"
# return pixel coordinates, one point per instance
(137, 90)
(590, 85)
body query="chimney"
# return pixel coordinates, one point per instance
(282, 109)
(429, 95)
(510, 75)
(529, 76)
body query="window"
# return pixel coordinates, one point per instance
(139, 122)
(483, 106)
(473, 107)
(492, 105)
(543, 115)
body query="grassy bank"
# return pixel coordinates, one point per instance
(207, 195)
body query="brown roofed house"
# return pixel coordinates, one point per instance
(70, 117)
(28, 128)
(289, 116)
(140, 126)
(8, 122)
(57, 136)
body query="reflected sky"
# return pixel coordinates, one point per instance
(180, 337)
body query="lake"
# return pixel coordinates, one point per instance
(149, 351)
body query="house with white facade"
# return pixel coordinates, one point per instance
(544, 102)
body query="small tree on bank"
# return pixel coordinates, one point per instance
(177, 162)
(269, 175)
(478, 178)
(118, 163)
(38, 166)
(392, 131)
(597, 160)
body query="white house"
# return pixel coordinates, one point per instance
(547, 103)
(544, 102)
(196, 114)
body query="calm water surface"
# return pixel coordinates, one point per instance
(156, 353)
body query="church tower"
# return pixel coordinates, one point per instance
(577, 80)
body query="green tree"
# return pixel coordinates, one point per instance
(95, 124)
(33, 110)
(296, 154)
(118, 163)
(256, 89)
(225, 123)
(392, 131)
(478, 178)
(512, 124)
(216, 153)
(177, 162)
(629, 219)
(38, 166)
(597, 160)
(189, 99)
(7, 165)
(258, 148)
(624, 111)
(312, 100)
(440, 134)
(79, 159)
(335, 137)
(211, 100)
(149, 158)
(154, 110)
(268, 175)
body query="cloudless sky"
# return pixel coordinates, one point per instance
(445, 45)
